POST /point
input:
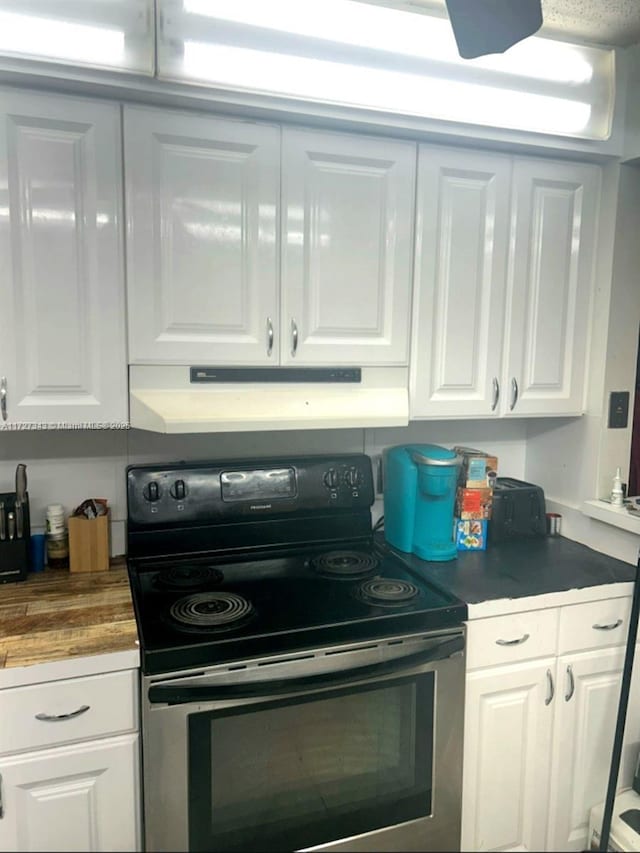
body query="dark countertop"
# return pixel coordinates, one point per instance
(521, 569)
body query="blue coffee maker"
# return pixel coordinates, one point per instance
(419, 495)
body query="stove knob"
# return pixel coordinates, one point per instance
(151, 492)
(331, 479)
(178, 490)
(353, 478)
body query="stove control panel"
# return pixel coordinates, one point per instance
(184, 493)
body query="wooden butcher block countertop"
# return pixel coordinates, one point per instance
(55, 616)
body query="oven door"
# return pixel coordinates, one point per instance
(343, 748)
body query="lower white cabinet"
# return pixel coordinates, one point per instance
(70, 766)
(76, 797)
(506, 766)
(585, 719)
(541, 707)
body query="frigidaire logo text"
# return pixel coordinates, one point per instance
(260, 506)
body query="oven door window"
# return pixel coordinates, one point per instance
(287, 774)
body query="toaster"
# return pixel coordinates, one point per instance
(518, 511)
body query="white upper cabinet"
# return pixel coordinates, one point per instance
(458, 312)
(503, 284)
(347, 248)
(204, 249)
(62, 334)
(202, 211)
(555, 213)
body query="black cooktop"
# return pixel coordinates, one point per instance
(197, 611)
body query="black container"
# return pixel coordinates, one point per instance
(14, 553)
(518, 511)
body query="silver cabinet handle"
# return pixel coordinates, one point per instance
(515, 642)
(609, 627)
(496, 394)
(550, 691)
(514, 393)
(572, 684)
(1, 803)
(269, 336)
(3, 397)
(57, 718)
(294, 337)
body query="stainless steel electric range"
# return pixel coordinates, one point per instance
(301, 687)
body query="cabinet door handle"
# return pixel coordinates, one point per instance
(518, 641)
(3, 397)
(269, 336)
(1, 803)
(57, 718)
(514, 393)
(294, 337)
(572, 684)
(550, 691)
(496, 394)
(609, 627)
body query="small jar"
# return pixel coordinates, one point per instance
(55, 519)
(57, 538)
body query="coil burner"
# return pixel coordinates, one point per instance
(387, 592)
(187, 577)
(207, 611)
(345, 564)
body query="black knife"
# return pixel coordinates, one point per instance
(3, 522)
(21, 497)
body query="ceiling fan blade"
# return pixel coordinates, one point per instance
(492, 26)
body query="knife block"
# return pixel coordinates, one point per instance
(14, 553)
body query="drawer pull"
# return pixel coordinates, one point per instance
(551, 691)
(57, 718)
(516, 642)
(610, 627)
(572, 684)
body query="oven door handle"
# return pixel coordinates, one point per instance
(174, 694)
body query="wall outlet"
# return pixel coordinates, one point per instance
(618, 409)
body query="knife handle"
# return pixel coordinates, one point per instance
(3, 522)
(19, 519)
(11, 525)
(21, 482)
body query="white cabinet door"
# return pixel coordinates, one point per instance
(508, 729)
(62, 322)
(458, 312)
(585, 721)
(202, 211)
(81, 797)
(550, 284)
(347, 248)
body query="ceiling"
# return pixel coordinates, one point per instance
(605, 22)
(608, 22)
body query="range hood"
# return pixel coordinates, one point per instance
(183, 399)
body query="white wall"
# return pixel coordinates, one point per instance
(68, 466)
(574, 459)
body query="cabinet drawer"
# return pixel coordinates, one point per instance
(594, 625)
(511, 638)
(110, 701)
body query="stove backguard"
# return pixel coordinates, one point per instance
(246, 505)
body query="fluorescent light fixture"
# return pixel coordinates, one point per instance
(395, 31)
(412, 94)
(48, 37)
(358, 55)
